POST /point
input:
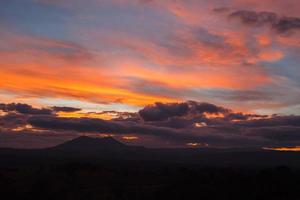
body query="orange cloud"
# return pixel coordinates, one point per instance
(297, 148)
(264, 40)
(204, 51)
(130, 138)
(271, 55)
(68, 83)
(40, 67)
(96, 115)
(198, 65)
(50, 68)
(208, 78)
(289, 41)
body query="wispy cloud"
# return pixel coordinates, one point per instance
(135, 53)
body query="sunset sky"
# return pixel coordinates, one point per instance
(123, 56)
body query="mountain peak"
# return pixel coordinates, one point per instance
(87, 138)
(89, 143)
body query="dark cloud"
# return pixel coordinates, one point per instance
(29, 110)
(281, 24)
(273, 121)
(65, 109)
(160, 111)
(287, 23)
(12, 120)
(177, 122)
(24, 109)
(255, 18)
(197, 107)
(182, 136)
(206, 135)
(237, 116)
(96, 125)
(277, 133)
(174, 123)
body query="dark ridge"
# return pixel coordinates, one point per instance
(84, 143)
(103, 150)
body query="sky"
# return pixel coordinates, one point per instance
(111, 60)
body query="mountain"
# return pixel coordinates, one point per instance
(102, 150)
(85, 143)
(106, 148)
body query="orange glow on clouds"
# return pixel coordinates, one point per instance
(38, 83)
(271, 56)
(297, 148)
(105, 116)
(74, 77)
(2, 113)
(196, 144)
(197, 49)
(130, 138)
(22, 128)
(264, 40)
(200, 124)
(193, 144)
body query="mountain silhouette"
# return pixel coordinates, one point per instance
(106, 149)
(84, 143)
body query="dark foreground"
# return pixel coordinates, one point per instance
(104, 169)
(86, 181)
